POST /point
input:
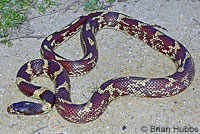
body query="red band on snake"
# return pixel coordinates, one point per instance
(58, 69)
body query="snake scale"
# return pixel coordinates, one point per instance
(57, 68)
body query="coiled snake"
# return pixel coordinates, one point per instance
(58, 68)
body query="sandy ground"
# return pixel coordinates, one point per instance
(119, 55)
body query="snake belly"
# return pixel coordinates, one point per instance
(111, 89)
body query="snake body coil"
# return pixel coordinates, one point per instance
(53, 64)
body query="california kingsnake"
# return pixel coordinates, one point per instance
(111, 89)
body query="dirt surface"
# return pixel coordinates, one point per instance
(119, 55)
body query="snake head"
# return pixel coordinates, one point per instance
(25, 108)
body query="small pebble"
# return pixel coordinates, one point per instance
(123, 127)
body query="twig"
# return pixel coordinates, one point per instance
(39, 129)
(29, 36)
(85, 96)
(198, 21)
(158, 26)
(65, 8)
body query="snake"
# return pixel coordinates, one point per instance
(58, 69)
